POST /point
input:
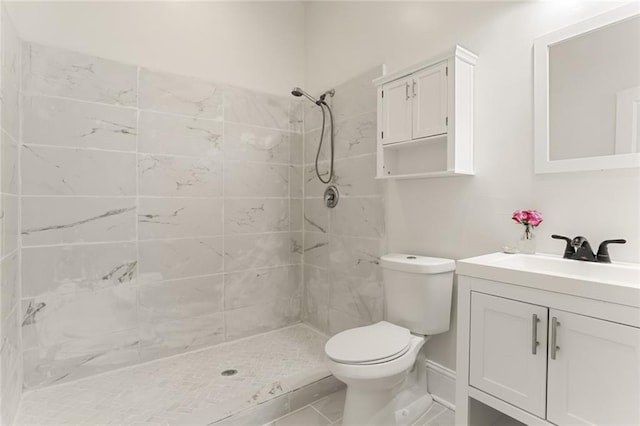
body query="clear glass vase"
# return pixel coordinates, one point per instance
(528, 241)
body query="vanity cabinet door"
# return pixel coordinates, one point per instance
(429, 91)
(594, 374)
(396, 111)
(508, 351)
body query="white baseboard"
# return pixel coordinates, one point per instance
(441, 382)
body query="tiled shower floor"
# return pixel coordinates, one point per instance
(182, 388)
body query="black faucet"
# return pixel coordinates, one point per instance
(583, 249)
(580, 249)
(569, 251)
(603, 250)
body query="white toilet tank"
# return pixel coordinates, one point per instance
(417, 292)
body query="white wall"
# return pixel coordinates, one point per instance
(257, 45)
(467, 216)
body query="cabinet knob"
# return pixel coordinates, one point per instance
(406, 90)
(413, 88)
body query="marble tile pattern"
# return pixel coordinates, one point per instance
(77, 220)
(62, 171)
(80, 267)
(177, 135)
(157, 214)
(342, 246)
(167, 176)
(61, 122)
(278, 372)
(59, 72)
(11, 376)
(182, 95)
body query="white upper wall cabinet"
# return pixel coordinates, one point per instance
(430, 101)
(425, 118)
(397, 112)
(415, 107)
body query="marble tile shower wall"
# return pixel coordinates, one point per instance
(160, 214)
(10, 346)
(342, 246)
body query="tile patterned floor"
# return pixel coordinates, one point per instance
(328, 411)
(164, 391)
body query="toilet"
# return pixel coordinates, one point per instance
(383, 364)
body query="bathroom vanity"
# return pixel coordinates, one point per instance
(546, 340)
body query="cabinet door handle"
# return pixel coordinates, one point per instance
(554, 337)
(413, 88)
(406, 90)
(534, 333)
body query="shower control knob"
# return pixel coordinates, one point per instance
(331, 196)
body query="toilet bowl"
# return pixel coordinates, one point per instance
(375, 379)
(383, 364)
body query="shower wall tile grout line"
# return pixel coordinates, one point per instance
(137, 239)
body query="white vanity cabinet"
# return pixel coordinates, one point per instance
(546, 351)
(594, 377)
(590, 376)
(425, 118)
(508, 351)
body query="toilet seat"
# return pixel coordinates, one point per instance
(373, 344)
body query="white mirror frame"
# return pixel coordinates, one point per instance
(541, 98)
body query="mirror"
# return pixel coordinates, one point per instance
(587, 94)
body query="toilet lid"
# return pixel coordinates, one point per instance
(377, 342)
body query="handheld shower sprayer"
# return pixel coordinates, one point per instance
(298, 92)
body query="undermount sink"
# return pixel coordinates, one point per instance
(615, 282)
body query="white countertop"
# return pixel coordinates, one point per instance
(616, 282)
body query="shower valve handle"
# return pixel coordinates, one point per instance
(331, 196)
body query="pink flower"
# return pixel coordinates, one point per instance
(534, 218)
(519, 216)
(528, 217)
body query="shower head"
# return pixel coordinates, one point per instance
(299, 92)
